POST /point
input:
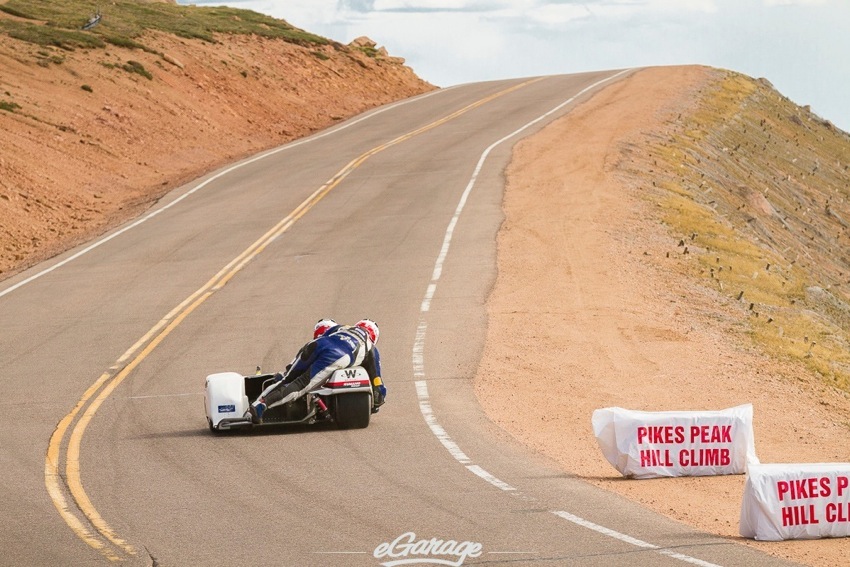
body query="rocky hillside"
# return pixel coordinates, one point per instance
(97, 124)
(756, 190)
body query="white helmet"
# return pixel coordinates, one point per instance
(370, 327)
(322, 327)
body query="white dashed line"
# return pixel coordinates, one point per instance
(419, 357)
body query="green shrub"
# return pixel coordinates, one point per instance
(369, 51)
(125, 21)
(123, 41)
(9, 106)
(138, 68)
(47, 35)
(13, 12)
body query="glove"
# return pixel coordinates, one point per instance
(277, 377)
(379, 394)
(378, 384)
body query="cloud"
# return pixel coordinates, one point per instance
(796, 44)
(436, 6)
(797, 2)
(524, 6)
(356, 5)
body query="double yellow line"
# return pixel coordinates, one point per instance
(93, 529)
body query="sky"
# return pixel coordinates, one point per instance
(798, 45)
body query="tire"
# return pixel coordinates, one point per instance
(353, 410)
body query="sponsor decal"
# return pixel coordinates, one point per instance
(229, 408)
(357, 384)
(407, 550)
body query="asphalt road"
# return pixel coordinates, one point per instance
(106, 457)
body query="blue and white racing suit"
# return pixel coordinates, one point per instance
(340, 347)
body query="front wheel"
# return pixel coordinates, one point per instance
(353, 410)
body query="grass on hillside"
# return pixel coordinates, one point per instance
(758, 189)
(59, 23)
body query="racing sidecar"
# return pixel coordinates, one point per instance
(346, 399)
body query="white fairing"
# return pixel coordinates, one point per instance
(224, 397)
(354, 376)
(347, 380)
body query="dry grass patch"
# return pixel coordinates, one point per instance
(756, 193)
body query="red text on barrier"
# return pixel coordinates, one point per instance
(838, 512)
(660, 434)
(711, 457)
(705, 457)
(655, 458)
(711, 433)
(803, 488)
(799, 515)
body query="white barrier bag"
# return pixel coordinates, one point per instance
(803, 501)
(644, 444)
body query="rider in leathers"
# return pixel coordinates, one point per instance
(341, 346)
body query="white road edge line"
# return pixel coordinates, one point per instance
(439, 432)
(475, 469)
(419, 350)
(633, 541)
(203, 184)
(421, 331)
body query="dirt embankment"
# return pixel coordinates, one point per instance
(91, 137)
(674, 244)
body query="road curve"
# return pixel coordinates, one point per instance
(391, 215)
